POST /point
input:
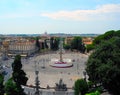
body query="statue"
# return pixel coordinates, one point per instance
(60, 86)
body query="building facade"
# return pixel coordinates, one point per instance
(24, 48)
(68, 40)
(87, 40)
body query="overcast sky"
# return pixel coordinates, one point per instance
(59, 16)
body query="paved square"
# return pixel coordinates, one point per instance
(49, 75)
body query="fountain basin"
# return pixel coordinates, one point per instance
(59, 64)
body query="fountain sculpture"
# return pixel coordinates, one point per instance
(61, 63)
(60, 86)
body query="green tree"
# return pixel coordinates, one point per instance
(37, 43)
(11, 87)
(98, 40)
(90, 47)
(45, 42)
(42, 45)
(51, 43)
(108, 35)
(77, 44)
(54, 43)
(18, 75)
(80, 87)
(66, 46)
(117, 33)
(103, 65)
(1, 84)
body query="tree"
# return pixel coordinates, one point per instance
(83, 48)
(77, 44)
(42, 45)
(104, 37)
(45, 42)
(98, 40)
(54, 43)
(117, 33)
(66, 46)
(90, 47)
(51, 43)
(103, 65)
(11, 87)
(1, 84)
(80, 87)
(37, 43)
(108, 35)
(18, 75)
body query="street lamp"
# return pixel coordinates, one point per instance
(37, 82)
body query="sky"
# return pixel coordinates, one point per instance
(59, 16)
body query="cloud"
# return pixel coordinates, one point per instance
(109, 11)
(104, 12)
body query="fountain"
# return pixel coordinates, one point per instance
(61, 63)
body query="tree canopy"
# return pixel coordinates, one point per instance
(18, 75)
(77, 44)
(11, 87)
(1, 84)
(37, 43)
(104, 37)
(54, 43)
(108, 35)
(80, 87)
(103, 65)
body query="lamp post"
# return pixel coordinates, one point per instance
(37, 82)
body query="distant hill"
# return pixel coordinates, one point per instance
(65, 35)
(53, 34)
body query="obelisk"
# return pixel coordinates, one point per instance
(61, 48)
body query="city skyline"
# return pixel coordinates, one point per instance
(63, 16)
